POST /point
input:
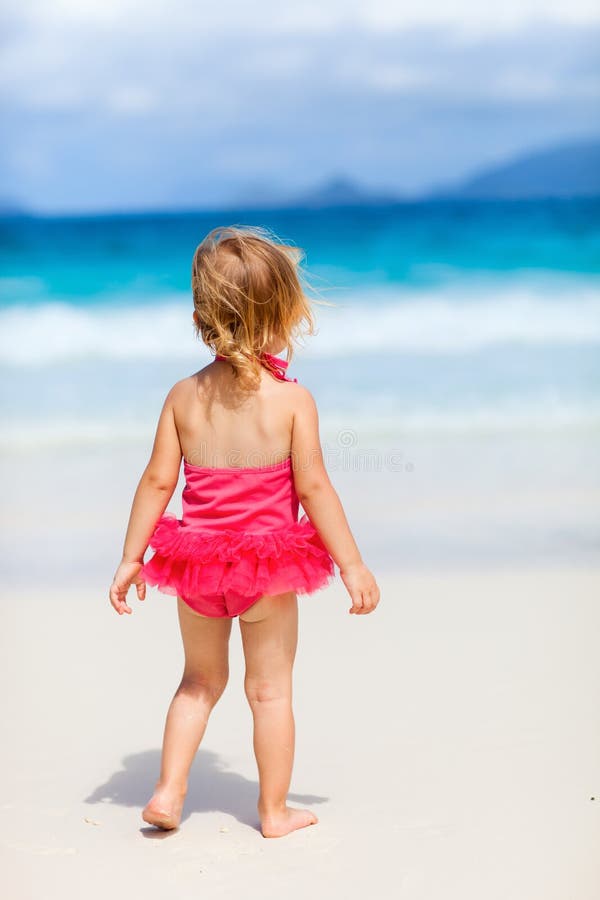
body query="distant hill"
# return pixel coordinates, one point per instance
(567, 170)
(339, 191)
(11, 207)
(570, 169)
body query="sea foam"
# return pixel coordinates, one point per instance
(437, 322)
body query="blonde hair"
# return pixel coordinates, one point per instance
(247, 292)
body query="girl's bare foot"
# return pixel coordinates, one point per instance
(164, 809)
(280, 822)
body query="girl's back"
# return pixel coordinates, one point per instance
(221, 425)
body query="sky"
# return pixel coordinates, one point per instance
(118, 104)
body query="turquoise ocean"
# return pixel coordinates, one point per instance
(446, 317)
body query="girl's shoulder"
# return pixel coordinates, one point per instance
(290, 392)
(302, 401)
(184, 385)
(191, 382)
(181, 392)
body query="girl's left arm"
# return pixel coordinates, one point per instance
(151, 498)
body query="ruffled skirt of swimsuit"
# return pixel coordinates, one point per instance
(205, 568)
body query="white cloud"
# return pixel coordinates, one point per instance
(131, 99)
(473, 16)
(272, 16)
(234, 76)
(397, 77)
(393, 93)
(524, 85)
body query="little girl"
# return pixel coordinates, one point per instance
(249, 438)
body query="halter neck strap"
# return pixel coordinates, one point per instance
(274, 364)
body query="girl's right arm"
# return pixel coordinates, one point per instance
(323, 507)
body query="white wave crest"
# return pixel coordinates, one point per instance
(439, 322)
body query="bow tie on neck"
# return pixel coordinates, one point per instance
(274, 364)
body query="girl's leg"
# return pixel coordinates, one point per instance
(206, 648)
(269, 632)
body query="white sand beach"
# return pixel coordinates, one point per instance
(449, 742)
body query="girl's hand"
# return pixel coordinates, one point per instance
(362, 587)
(126, 575)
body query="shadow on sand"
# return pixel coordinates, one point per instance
(212, 788)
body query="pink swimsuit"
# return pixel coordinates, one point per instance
(239, 537)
